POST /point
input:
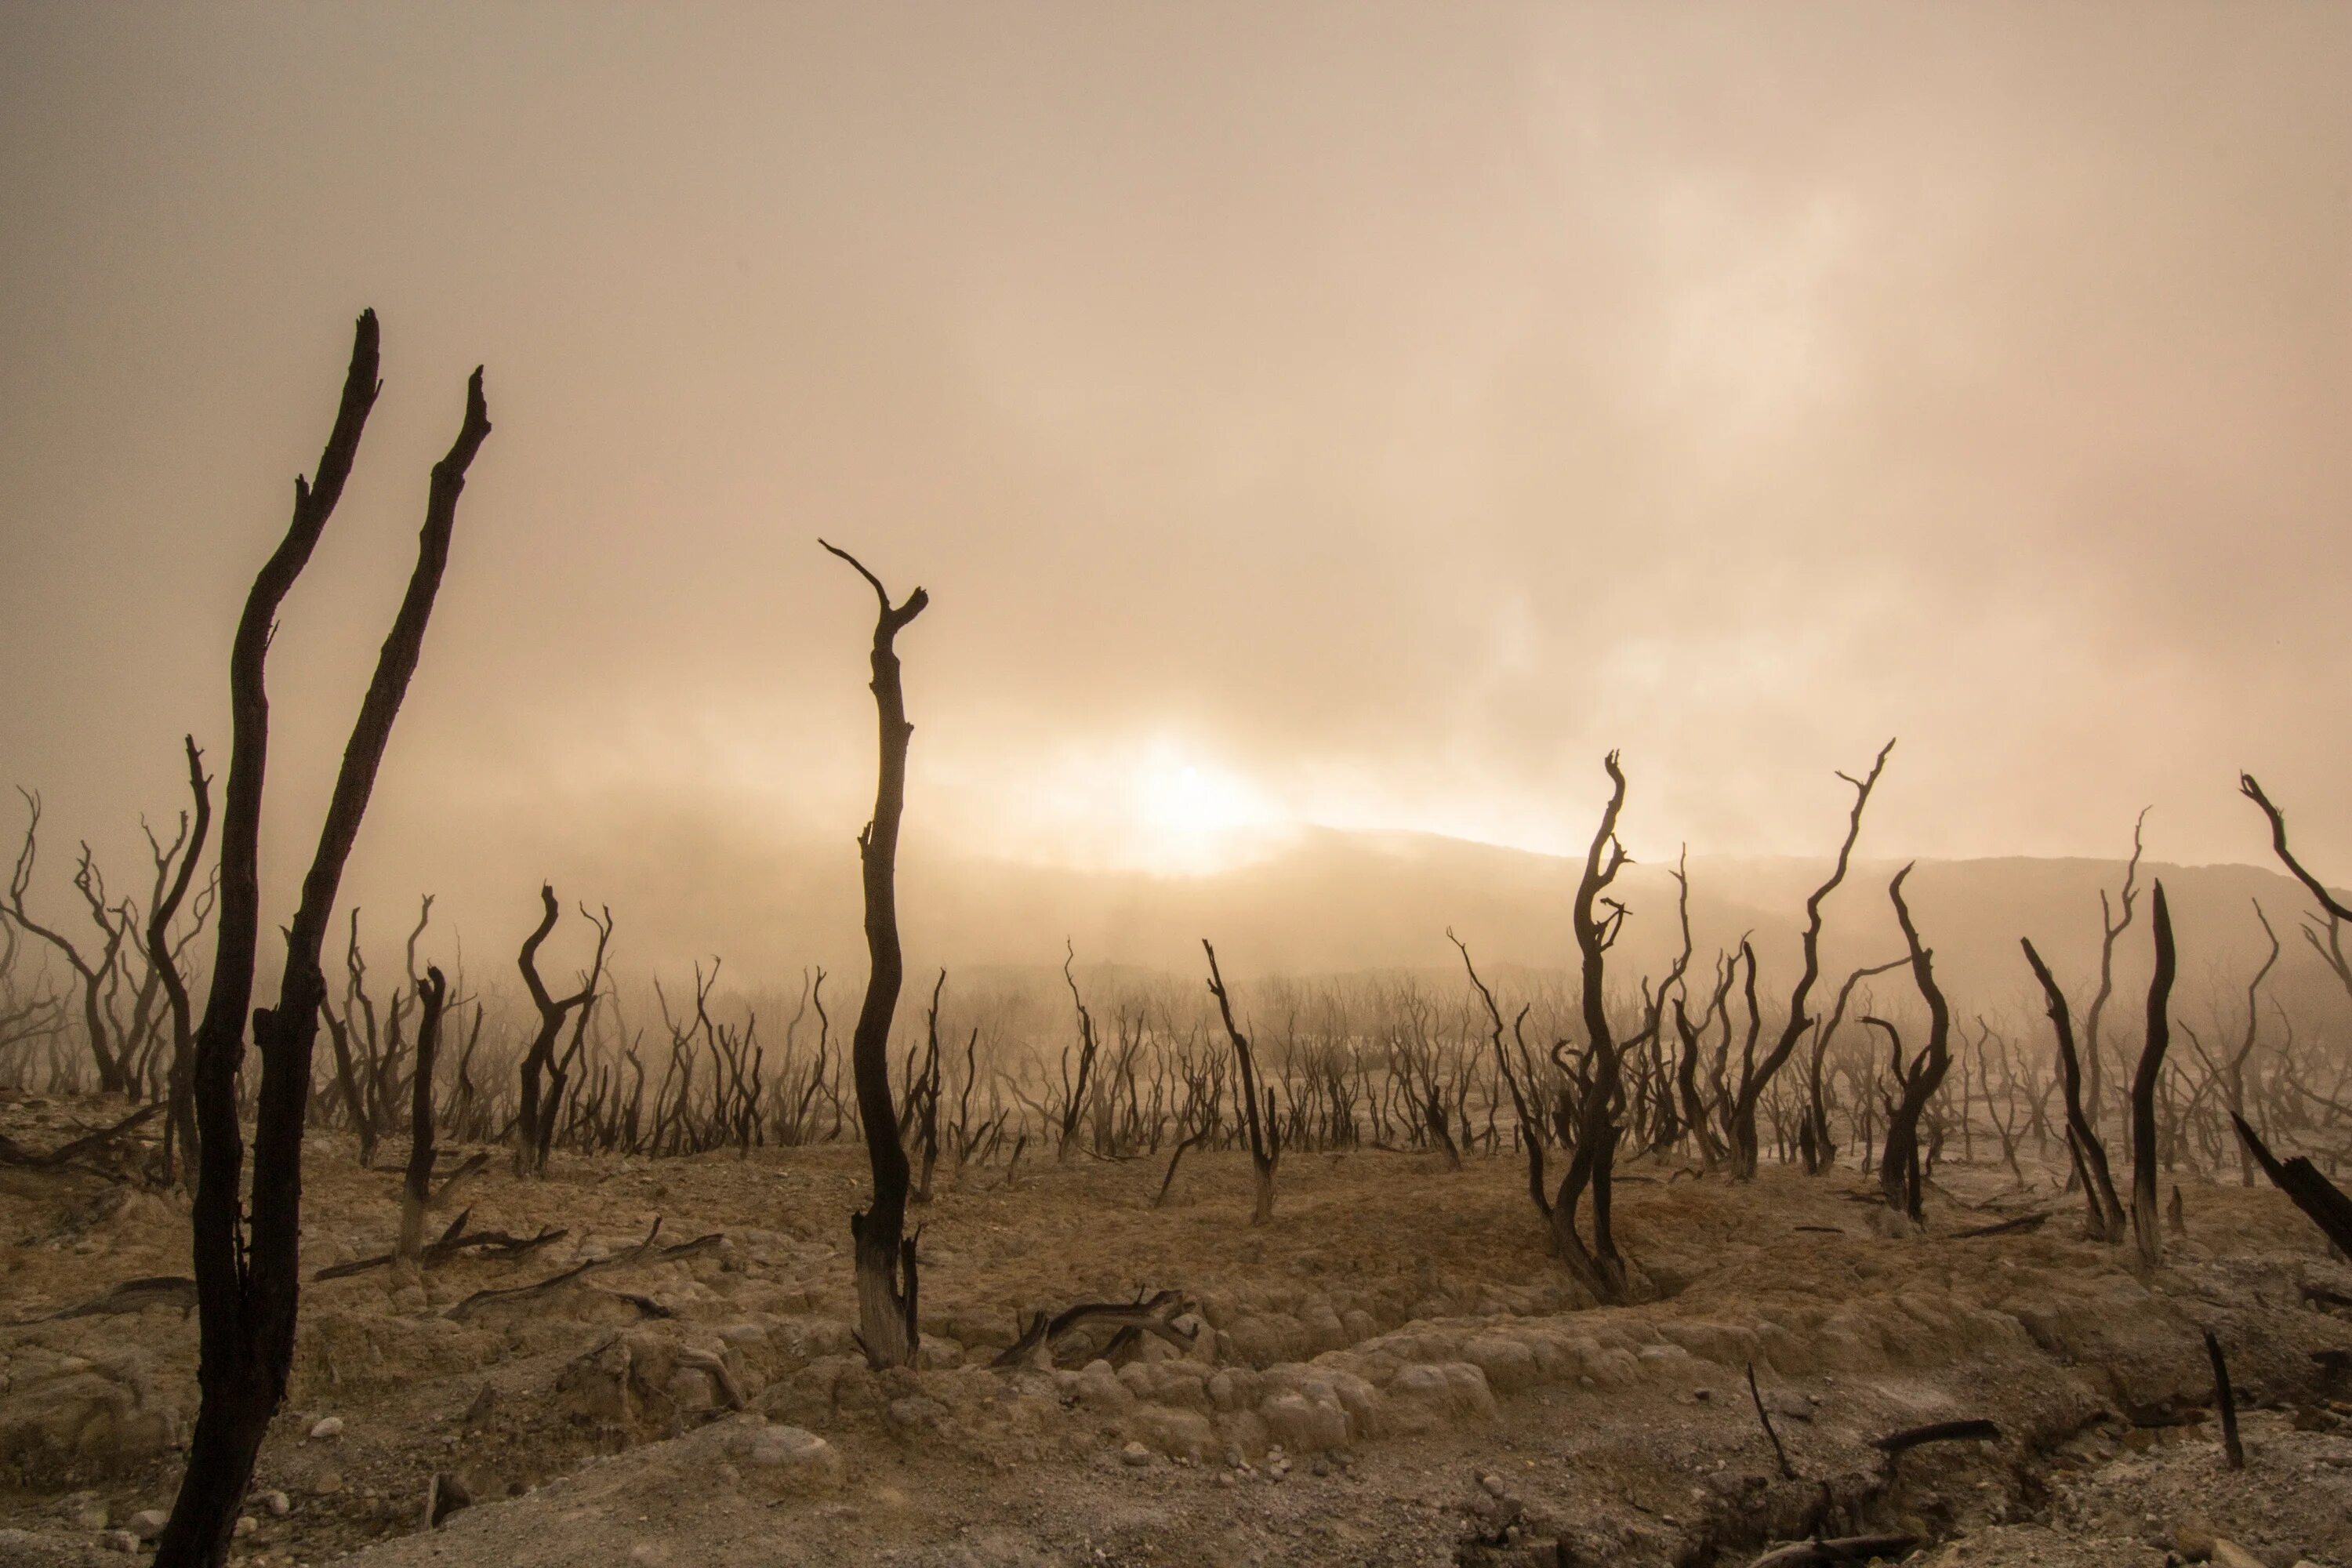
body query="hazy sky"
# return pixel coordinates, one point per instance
(1350, 414)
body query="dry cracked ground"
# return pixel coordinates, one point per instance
(1392, 1372)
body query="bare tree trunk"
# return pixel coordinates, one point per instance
(1898, 1166)
(1265, 1133)
(249, 1272)
(1754, 1077)
(885, 1259)
(2150, 1238)
(2106, 1215)
(180, 1119)
(416, 1185)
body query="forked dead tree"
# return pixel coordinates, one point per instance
(1754, 1077)
(535, 1128)
(886, 1257)
(163, 958)
(2329, 947)
(247, 1267)
(1898, 1167)
(1597, 918)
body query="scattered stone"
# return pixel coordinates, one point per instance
(278, 1504)
(120, 1541)
(1493, 1483)
(327, 1483)
(83, 1510)
(327, 1427)
(1135, 1455)
(148, 1523)
(246, 1525)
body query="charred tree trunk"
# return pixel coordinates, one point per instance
(180, 1119)
(1590, 1165)
(885, 1258)
(248, 1271)
(1264, 1131)
(1755, 1078)
(2144, 1226)
(2106, 1212)
(416, 1183)
(1898, 1165)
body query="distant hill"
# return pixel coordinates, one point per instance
(1324, 901)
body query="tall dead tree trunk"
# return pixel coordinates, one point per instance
(1755, 1079)
(2090, 1155)
(2146, 1230)
(180, 1119)
(248, 1269)
(1264, 1131)
(885, 1258)
(1590, 1165)
(416, 1181)
(535, 1126)
(1898, 1165)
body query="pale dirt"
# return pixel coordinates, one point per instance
(1623, 1436)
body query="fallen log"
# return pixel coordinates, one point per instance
(1896, 1444)
(1844, 1549)
(14, 1154)
(130, 1295)
(1153, 1316)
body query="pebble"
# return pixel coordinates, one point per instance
(148, 1523)
(278, 1504)
(326, 1428)
(1134, 1454)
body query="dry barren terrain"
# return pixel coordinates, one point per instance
(1393, 1371)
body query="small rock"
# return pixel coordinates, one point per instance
(327, 1483)
(120, 1541)
(246, 1525)
(1321, 1467)
(278, 1504)
(327, 1427)
(1493, 1483)
(2194, 1542)
(148, 1523)
(1136, 1455)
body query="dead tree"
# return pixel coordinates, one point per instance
(95, 975)
(885, 1258)
(2105, 1220)
(2111, 928)
(163, 961)
(1597, 919)
(2331, 948)
(248, 1270)
(417, 1183)
(2150, 1238)
(1265, 1133)
(1755, 1076)
(535, 1128)
(1898, 1165)
(1074, 1095)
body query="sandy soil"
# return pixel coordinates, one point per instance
(1393, 1371)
